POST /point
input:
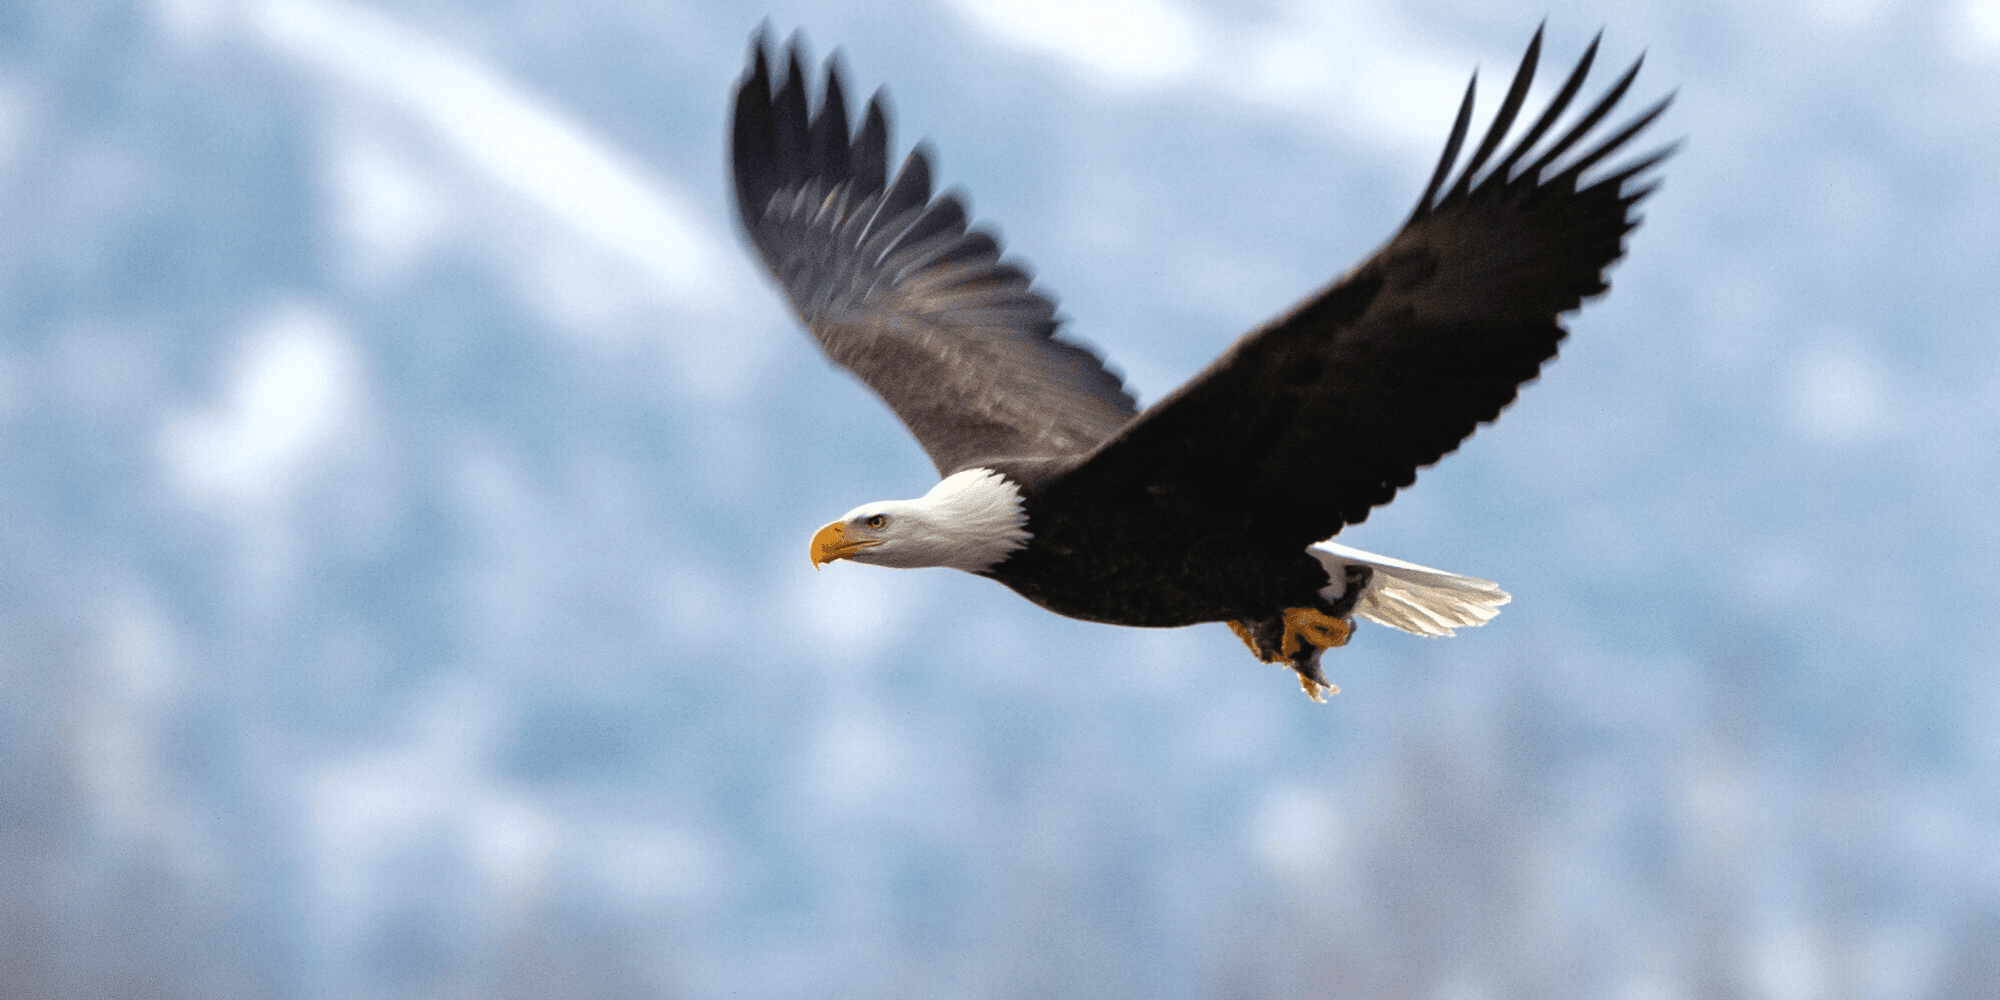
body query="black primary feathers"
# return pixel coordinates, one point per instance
(1303, 426)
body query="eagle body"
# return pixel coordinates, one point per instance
(1144, 559)
(1219, 501)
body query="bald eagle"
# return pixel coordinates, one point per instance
(1214, 503)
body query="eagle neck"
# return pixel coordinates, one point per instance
(982, 512)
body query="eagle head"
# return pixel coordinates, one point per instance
(971, 521)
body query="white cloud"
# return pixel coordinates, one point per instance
(436, 783)
(856, 764)
(852, 615)
(137, 677)
(442, 147)
(1791, 964)
(510, 135)
(1780, 573)
(19, 116)
(1717, 812)
(192, 23)
(1124, 41)
(1355, 65)
(1843, 15)
(293, 395)
(512, 843)
(645, 865)
(1351, 64)
(1838, 397)
(389, 210)
(1296, 831)
(1982, 22)
(1648, 985)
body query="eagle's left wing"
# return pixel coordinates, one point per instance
(1305, 425)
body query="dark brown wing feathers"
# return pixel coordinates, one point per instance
(1303, 426)
(899, 291)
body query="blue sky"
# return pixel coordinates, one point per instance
(406, 480)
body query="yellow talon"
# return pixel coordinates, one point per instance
(1315, 688)
(1316, 627)
(1303, 627)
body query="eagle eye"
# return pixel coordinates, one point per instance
(878, 521)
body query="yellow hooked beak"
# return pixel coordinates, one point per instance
(832, 543)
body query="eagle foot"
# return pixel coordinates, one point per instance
(1297, 638)
(1315, 627)
(1317, 689)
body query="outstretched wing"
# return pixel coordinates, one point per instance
(1303, 426)
(899, 292)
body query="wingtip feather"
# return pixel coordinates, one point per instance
(1503, 174)
(1451, 147)
(1588, 122)
(1503, 119)
(870, 151)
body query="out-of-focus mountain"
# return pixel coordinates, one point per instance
(405, 481)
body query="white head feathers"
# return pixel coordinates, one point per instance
(971, 521)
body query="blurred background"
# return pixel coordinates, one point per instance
(405, 481)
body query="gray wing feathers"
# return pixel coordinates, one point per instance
(899, 291)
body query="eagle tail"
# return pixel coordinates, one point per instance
(1410, 597)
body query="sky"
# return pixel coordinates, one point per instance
(406, 476)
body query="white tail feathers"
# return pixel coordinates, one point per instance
(1410, 597)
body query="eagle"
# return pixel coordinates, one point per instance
(1218, 502)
